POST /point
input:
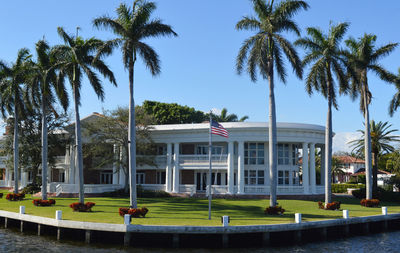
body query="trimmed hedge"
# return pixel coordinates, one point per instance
(41, 202)
(370, 202)
(380, 194)
(133, 212)
(274, 210)
(335, 205)
(80, 207)
(342, 188)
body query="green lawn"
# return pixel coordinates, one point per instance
(184, 211)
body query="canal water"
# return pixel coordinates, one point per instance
(13, 241)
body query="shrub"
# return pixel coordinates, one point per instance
(380, 194)
(342, 188)
(31, 189)
(1, 195)
(335, 205)
(80, 207)
(370, 202)
(133, 212)
(15, 196)
(41, 202)
(274, 210)
(141, 193)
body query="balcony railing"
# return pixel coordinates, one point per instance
(202, 159)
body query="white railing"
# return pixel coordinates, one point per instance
(59, 188)
(256, 189)
(160, 160)
(187, 188)
(290, 189)
(217, 189)
(60, 160)
(202, 159)
(153, 187)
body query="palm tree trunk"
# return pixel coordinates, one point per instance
(374, 171)
(328, 153)
(367, 149)
(272, 141)
(44, 149)
(132, 140)
(78, 143)
(16, 151)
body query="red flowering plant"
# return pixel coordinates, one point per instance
(15, 196)
(335, 205)
(274, 210)
(370, 202)
(133, 212)
(82, 207)
(41, 202)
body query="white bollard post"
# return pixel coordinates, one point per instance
(384, 210)
(22, 209)
(297, 217)
(58, 215)
(127, 219)
(225, 221)
(345, 214)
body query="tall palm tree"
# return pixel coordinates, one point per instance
(264, 52)
(79, 57)
(323, 52)
(132, 27)
(363, 56)
(381, 142)
(225, 117)
(395, 102)
(13, 99)
(43, 84)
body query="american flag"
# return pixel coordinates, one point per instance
(218, 129)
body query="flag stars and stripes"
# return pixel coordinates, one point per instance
(218, 129)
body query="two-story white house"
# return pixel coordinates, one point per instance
(239, 163)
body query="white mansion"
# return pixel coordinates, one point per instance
(239, 163)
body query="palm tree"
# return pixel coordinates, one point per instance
(381, 140)
(395, 102)
(323, 51)
(363, 56)
(225, 117)
(76, 58)
(43, 82)
(263, 51)
(131, 27)
(13, 100)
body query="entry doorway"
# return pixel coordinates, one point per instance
(201, 180)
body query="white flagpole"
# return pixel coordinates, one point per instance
(209, 172)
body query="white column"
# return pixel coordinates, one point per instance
(322, 165)
(241, 167)
(7, 178)
(71, 168)
(168, 169)
(313, 178)
(306, 181)
(121, 172)
(230, 168)
(175, 186)
(24, 178)
(115, 165)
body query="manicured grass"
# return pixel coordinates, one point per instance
(184, 211)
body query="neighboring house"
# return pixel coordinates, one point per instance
(383, 176)
(239, 163)
(349, 165)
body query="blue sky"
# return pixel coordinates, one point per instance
(198, 67)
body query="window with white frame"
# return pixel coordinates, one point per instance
(283, 177)
(295, 178)
(254, 177)
(203, 150)
(283, 154)
(160, 178)
(105, 176)
(295, 154)
(253, 153)
(140, 178)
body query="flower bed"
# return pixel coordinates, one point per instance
(15, 196)
(80, 207)
(41, 202)
(335, 205)
(370, 202)
(134, 212)
(274, 210)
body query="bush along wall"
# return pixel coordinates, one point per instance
(342, 188)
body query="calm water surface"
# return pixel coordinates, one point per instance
(16, 242)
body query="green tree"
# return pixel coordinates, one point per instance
(381, 142)
(43, 85)
(13, 101)
(264, 52)
(225, 117)
(362, 57)
(323, 52)
(172, 113)
(111, 129)
(77, 58)
(132, 27)
(395, 102)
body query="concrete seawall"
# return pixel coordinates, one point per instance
(206, 236)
